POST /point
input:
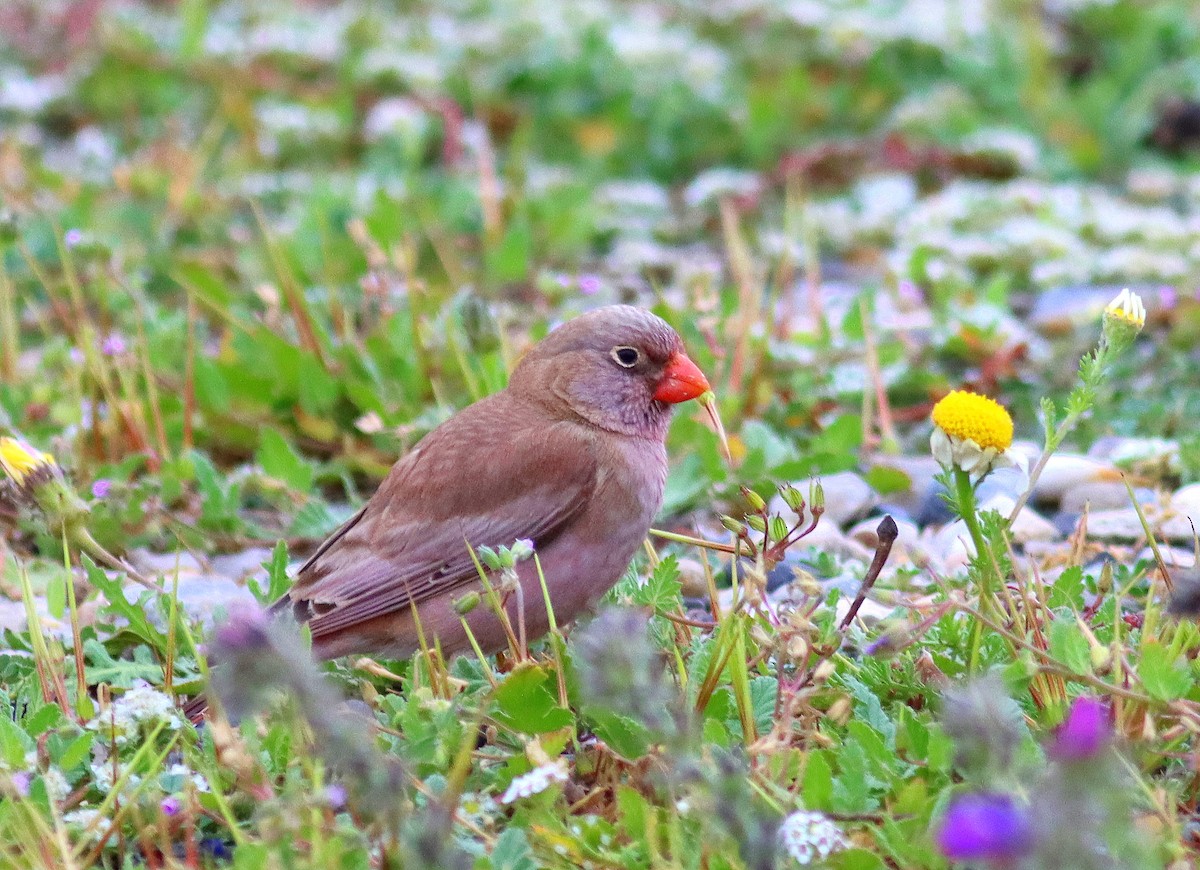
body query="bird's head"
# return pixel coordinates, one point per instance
(618, 367)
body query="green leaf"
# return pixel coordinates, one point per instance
(525, 703)
(280, 461)
(635, 812)
(662, 590)
(47, 717)
(867, 706)
(624, 736)
(76, 751)
(818, 782)
(763, 691)
(318, 390)
(509, 260)
(56, 594)
(278, 581)
(512, 851)
(1164, 677)
(886, 480)
(212, 389)
(1067, 590)
(856, 859)
(14, 743)
(1069, 646)
(101, 667)
(853, 785)
(134, 614)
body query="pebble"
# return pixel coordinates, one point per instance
(1187, 499)
(1149, 456)
(12, 616)
(920, 471)
(1120, 524)
(1066, 471)
(1062, 310)
(203, 597)
(1102, 495)
(828, 538)
(239, 566)
(692, 578)
(157, 564)
(1174, 557)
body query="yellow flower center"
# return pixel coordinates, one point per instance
(18, 459)
(969, 415)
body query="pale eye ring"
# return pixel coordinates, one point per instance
(626, 357)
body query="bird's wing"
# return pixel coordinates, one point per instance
(478, 480)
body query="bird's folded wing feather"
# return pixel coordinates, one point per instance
(466, 485)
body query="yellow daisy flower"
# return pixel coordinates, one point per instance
(21, 461)
(974, 433)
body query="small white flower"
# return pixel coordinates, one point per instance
(141, 706)
(810, 836)
(86, 818)
(536, 781)
(1128, 307)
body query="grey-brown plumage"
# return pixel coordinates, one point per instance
(570, 455)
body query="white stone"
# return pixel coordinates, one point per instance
(1064, 471)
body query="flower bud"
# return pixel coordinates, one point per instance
(756, 501)
(840, 710)
(1085, 732)
(816, 497)
(823, 672)
(792, 498)
(466, 603)
(738, 528)
(985, 827)
(757, 523)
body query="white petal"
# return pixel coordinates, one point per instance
(941, 448)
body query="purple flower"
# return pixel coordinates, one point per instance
(590, 284)
(114, 345)
(101, 488)
(335, 796)
(985, 827)
(170, 806)
(910, 292)
(22, 779)
(72, 237)
(244, 630)
(1084, 733)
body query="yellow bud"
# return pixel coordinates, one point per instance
(840, 710)
(19, 460)
(824, 671)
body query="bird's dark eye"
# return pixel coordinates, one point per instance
(626, 356)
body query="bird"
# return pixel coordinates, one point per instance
(569, 456)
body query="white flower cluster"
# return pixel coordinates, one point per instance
(809, 837)
(86, 817)
(536, 781)
(130, 714)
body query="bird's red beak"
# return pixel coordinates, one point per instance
(681, 380)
